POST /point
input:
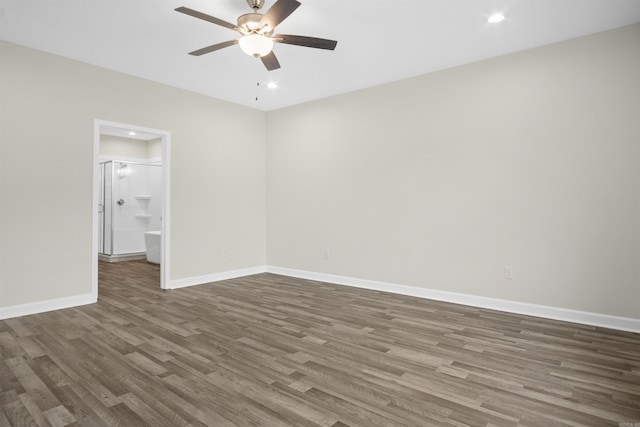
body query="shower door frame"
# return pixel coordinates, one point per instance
(103, 194)
(166, 200)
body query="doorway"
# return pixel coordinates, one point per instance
(114, 175)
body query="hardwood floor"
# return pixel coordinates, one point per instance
(276, 351)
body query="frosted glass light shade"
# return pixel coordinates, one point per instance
(256, 45)
(495, 18)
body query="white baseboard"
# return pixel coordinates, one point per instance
(61, 303)
(48, 305)
(215, 277)
(556, 313)
(119, 258)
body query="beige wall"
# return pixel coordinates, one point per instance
(530, 160)
(117, 146)
(47, 109)
(154, 149)
(128, 148)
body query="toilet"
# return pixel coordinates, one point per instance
(152, 245)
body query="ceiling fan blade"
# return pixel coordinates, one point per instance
(270, 61)
(213, 47)
(206, 17)
(305, 41)
(279, 12)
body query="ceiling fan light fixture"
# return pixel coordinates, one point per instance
(496, 18)
(256, 45)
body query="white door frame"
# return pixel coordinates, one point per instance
(166, 200)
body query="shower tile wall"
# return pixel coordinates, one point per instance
(132, 175)
(154, 185)
(135, 189)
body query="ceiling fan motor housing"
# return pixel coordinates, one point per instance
(249, 23)
(255, 4)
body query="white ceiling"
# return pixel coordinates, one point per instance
(378, 40)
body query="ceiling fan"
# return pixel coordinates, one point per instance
(257, 32)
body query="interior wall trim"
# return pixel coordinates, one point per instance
(78, 300)
(215, 277)
(548, 312)
(165, 219)
(47, 305)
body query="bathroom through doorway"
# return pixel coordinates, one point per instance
(131, 202)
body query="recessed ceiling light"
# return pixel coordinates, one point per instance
(495, 18)
(272, 85)
(132, 133)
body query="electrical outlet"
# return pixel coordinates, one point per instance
(225, 253)
(327, 254)
(508, 272)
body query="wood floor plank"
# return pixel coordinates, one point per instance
(4, 421)
(59, 416)
(38, 416)
(32, 383)
(268, 350)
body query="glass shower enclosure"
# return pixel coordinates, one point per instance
(130, 205)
